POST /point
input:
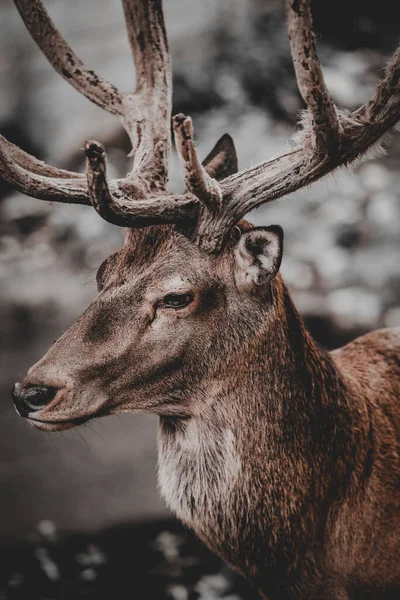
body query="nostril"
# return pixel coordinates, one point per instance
(32, 398)
(38, 396)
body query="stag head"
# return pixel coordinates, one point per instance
(193, 282)
(165, 320)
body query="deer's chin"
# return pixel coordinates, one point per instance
(61, 425)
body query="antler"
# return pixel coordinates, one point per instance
(33, 177)
(141, 212)
(145, 114)
(328, 138)
(326, 127)
(209, 210)
(198, 181)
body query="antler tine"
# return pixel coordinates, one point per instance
(204, 187)
(99, 191)
(38, 180)
(34, 165)
(326, 127)
(131, 207)
(387, 94)
(64, 60)
(149, 120)
(148, 40)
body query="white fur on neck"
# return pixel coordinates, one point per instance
(197, 469)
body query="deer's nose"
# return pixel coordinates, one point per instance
(28, 399)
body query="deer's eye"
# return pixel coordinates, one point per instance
(176, 300)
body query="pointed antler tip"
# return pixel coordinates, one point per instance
(178, 119)
(181, 123)
(93, 149)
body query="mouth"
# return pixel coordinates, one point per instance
(59, 425)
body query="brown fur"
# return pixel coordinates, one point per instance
(282, 457)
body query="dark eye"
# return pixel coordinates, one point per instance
(176, 300)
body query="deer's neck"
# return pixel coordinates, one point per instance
(268, 445)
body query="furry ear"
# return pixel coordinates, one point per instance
(222, 160)
(258, 256)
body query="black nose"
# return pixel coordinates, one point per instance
(32, 398)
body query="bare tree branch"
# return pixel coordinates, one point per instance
(204, 187)
(310, 80)
(64, 60)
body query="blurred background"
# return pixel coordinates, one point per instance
(62, 495)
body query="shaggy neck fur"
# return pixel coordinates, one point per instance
(252, 470)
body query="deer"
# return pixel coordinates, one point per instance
(283, 458)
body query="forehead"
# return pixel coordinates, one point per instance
(163, 252)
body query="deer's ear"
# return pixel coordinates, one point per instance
(258, 256)
(222, 160)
